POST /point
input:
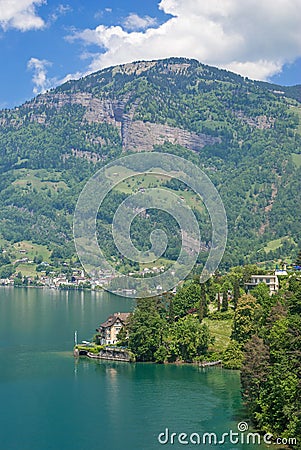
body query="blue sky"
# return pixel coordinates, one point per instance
(44, 43)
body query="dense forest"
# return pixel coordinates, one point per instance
(245, 135)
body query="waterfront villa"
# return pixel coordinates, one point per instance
(270, 280)
(108, 331)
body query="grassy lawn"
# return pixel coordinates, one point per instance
(221, 330)
(92, 348)
(133, 184)
(158, 263)
(26, 249)
(27, 270)
(277, 243)
(273, 245)
(29, 179)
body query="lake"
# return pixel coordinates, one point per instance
(52, 401)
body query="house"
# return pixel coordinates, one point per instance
(22, 260)
(108, 330)
(280, 272)
(6, 282)
(270, 280)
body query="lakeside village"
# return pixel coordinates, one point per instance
(28, 271)
(71, 278)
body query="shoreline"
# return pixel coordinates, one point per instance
(54, 288)
(200, 364)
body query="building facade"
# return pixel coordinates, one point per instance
(270, 280)
(108, 330)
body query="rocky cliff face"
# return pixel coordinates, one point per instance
(136, 135)
(146, 101)
(143, 136)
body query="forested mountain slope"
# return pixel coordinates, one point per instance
(246, 135)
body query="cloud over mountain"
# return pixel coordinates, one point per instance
(134, 22)
(253, 38)
(40, 81)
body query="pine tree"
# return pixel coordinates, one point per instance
(171, 314)
(225, 303)
(254, 372)
(236, 292)
(203, 306)
(218, 301)
(247, 318)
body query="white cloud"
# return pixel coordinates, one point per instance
(39, 79)
(135, 22)
(60, 10)
(252, 37)
(259, 70)
(63, 9)
(68, 77)
(20, 14)
(100, 14)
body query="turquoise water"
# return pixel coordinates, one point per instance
(51, 401)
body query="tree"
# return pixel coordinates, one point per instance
(187, 339)
(246, 319)
(233, 356)
(277, 312)
(271, 371)
(212, 289)
(186, 298)
(225, 303)
(4, 259)
(254, 372)
(244, 273)
(280, 401)
(123, 337)
(294, 300)
(203, 304)
(38, 259)
(6, 271)
(57, 253)
(262, 293)
(218, 300)
(171, 313)
(146, 329)
(236, 291)
(298, 259)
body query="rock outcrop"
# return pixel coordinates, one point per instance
(143, 136)
(136, 135)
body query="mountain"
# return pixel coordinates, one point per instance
(246, 135)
